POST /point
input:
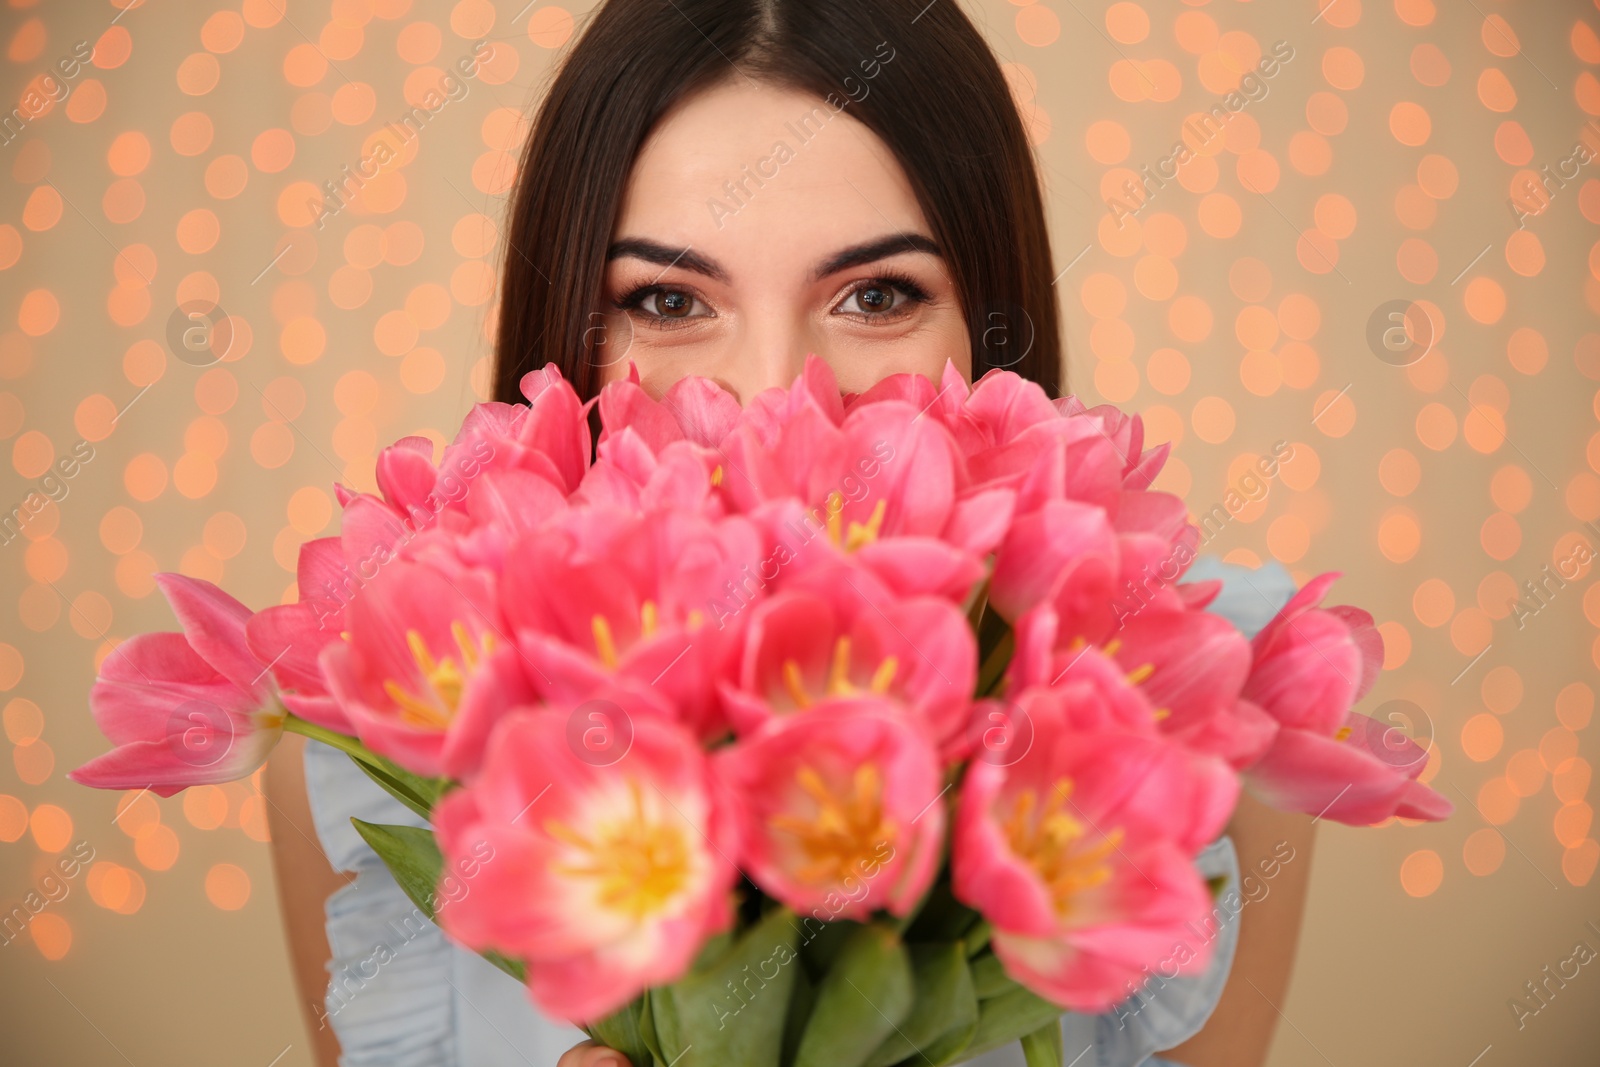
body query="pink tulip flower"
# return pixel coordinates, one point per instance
(426, 668)
(693, 409)
(839, 632)
(603, 879)
(887, 486)
(1362, 774)
(942, 400)
(840, 809)
(814, 390)
(1126, 432)
(1190, 790)
(189, 708)
(602, 595)
(1069, 854)
(1311, 664)
(631, 476)
(550, 436)
(1190, 667)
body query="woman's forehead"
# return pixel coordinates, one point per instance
(761, 175)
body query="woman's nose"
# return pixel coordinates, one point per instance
(773, 356)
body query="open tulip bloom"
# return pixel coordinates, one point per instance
(835, 730)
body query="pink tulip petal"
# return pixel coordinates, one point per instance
(406, 475)
(1320, 776)
(213, 623)
(169, 765)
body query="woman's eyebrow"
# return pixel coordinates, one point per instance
(853, 256)
(872, 251)
(666, 256)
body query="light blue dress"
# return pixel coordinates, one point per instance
(401, 995)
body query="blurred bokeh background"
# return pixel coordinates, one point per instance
(1383, 253)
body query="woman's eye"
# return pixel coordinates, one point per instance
(671, 303)
(663, 305)
(874, 298)
(882, 299)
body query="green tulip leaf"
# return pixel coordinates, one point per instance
(801, 1001)
(415, 792)
(989, 977)
(412, 856)
(1043, 1047)
(732, 1012)
(1007, 1017)
(623, 1030)
(861, 999)
(944, 1011)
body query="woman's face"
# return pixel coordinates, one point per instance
(759, 225)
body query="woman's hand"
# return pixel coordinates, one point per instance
(590, 1054)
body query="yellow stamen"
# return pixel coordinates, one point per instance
(858, 533)
(420, 653)
(1059, 846)
(795, 684)
(884, 675)
(866, 533)
(604, 645)
(843, 833)
(838, 682)
(1021, 814)
(716, 475)
(562, 832)
(647, 618)
(835, 506)
(1111, 646)
(1160, 713)
(469, 651)
(640, 863)
(444, 679)
(839, 675)
(1140, 673)
(1344, 732)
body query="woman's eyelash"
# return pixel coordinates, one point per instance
(630, 300)
(914, 291)
(904, 282)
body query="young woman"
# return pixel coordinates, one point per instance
(719, 187)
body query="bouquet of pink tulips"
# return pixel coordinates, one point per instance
(837, 730)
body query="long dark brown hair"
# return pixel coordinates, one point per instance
(941, 106)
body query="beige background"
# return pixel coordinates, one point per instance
(1377, 166)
